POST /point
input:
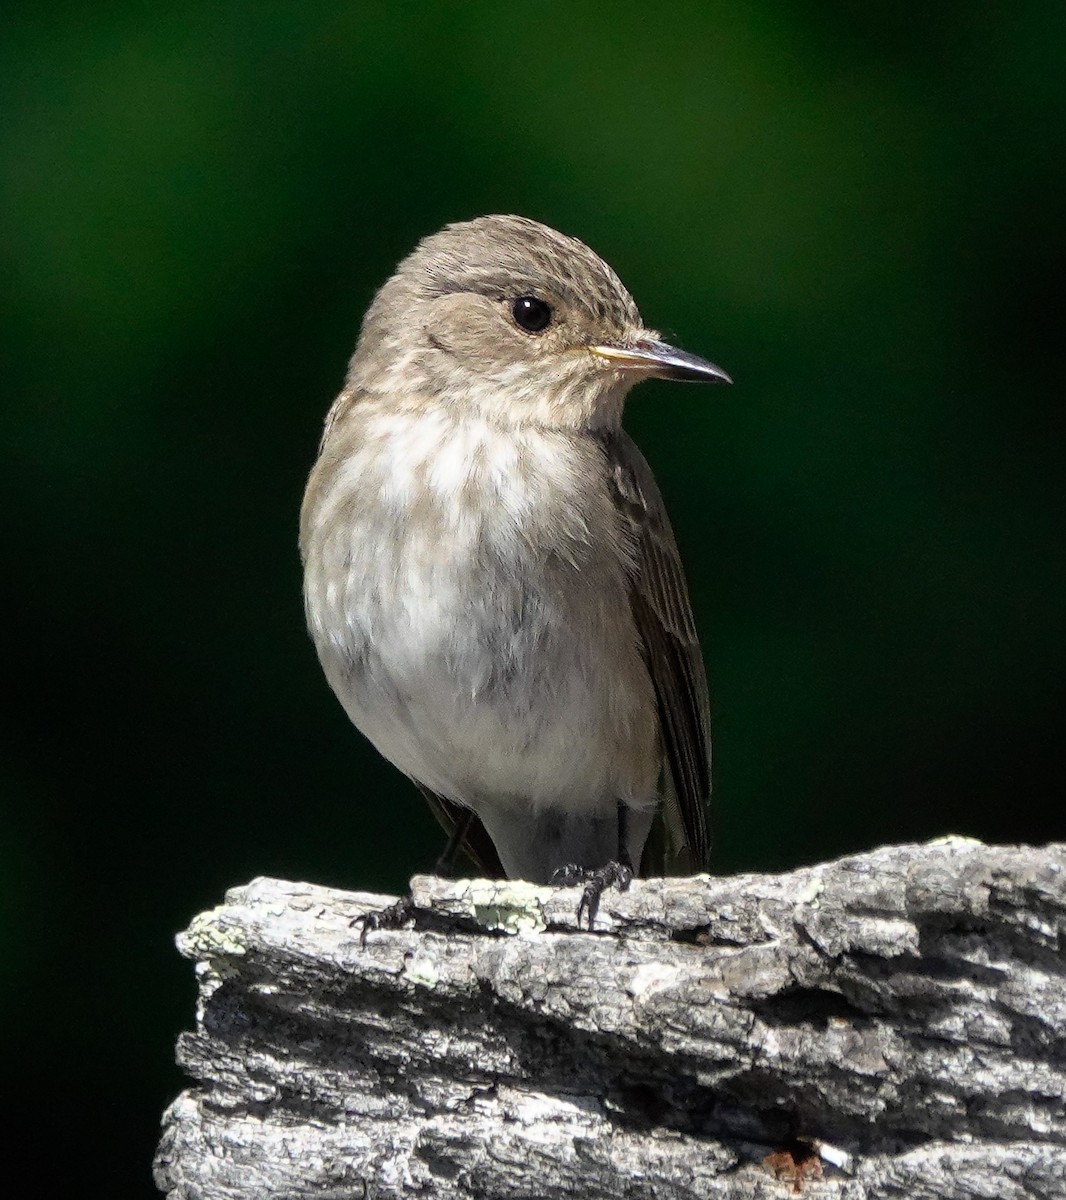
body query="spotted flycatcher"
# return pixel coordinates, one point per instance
(491, 580)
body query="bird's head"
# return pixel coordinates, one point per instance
(507, 318)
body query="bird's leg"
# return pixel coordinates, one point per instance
(446, 863)
(623, 836)
(618, 873)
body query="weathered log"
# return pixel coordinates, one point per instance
(891, 1024)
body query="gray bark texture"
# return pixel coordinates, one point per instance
(888, 1025)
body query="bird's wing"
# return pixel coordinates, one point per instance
(476, 844)
(663, 614)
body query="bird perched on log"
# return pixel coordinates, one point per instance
(490, 577)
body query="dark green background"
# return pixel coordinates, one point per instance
(857, 209)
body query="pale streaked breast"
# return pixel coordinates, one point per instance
(471, 626)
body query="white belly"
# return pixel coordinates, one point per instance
(474, 628)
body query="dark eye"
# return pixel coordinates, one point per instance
(531, 314)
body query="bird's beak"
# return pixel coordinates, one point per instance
(662, 361)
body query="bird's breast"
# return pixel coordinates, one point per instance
(466, 589)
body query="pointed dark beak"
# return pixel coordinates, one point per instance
(661, 361)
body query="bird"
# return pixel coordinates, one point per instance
(491, 581)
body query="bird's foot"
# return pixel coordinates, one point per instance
(596, 880)
(397, 916)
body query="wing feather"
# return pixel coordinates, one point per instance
(663, 614)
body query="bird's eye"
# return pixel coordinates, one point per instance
(531, 314)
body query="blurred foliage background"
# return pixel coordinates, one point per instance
(856, 208)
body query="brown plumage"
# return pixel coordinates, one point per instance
(491, 580)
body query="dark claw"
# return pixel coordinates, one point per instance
(569, 875)
(596, 880)
(396, 916)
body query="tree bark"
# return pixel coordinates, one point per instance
(891, 1024)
